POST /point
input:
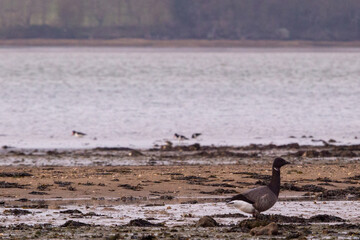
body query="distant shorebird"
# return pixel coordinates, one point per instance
(180, 137)
(260, 199)
(195, 135)
(78, 134)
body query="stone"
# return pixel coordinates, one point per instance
(207, 221)
(270, 229)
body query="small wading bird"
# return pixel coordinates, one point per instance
(180, 137)
(78, 134)
(195, 135)
(257, 200)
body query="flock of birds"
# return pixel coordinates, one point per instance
(253, 201)
(176, 136)
(182, 137)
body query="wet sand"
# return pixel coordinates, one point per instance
(174, 187)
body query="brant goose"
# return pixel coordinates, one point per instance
(180, 137)
(195, 135)
(260, 199)
(78, 134)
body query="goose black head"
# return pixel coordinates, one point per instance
(279, 162)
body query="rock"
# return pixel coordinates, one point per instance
(334, 194)
(71, 211)
(356, 177)
(305, 188)
(148, 237)
(325, 153)
(345, 153)
(135, 153)
(263, 219)
(114, 237)
(128, 186)
(112, 149)
(270, 229)
(295, 235)
(167, 197)
(312, 188)
(15, 174)
(195, 147)
(167, 147)
(346, 226)
(23, 200)
(190, 202)
(74, 224)
(325, 218)
(143, 223)
(220, 191)
(38, 193)
(63, 184)
(229, 215)
(290, 145)
(248, 224)
(16, 212)
(4, 184)
(206, 221)
(44, 187)
(310, 154)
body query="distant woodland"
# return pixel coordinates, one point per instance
(316, 20)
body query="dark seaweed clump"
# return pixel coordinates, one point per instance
(143, 223)
(63, 184)
(16, 212)
(15, 174)
(220, 191)
(128, 186)
(74, 224)
(4, 184)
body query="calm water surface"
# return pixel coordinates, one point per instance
(137, 97)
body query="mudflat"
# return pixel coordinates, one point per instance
(162, 193)
(173, 183)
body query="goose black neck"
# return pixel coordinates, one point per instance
(274, 184)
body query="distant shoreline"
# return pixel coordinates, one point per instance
(125, 42)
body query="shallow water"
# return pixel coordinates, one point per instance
(138, 97)
(180, 214)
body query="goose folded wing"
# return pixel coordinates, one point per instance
(241, 197)
(253, 195)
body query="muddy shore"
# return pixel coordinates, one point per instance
(190, 43)
(104, 189)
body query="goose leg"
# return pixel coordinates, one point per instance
(256, 214)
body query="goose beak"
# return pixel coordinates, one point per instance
(286, 162)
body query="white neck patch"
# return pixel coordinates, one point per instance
(276, 169)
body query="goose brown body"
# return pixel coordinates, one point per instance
(262, 198)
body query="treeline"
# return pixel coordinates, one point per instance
(331, 20)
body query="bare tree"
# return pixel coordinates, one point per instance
(99, 11)
(71, 13)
